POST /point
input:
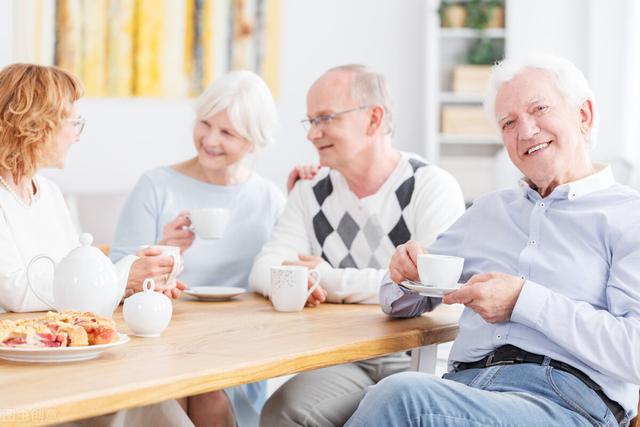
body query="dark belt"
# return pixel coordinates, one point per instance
(510, 355)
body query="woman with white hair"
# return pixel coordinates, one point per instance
(236, 116)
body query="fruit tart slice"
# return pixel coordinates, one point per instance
(99, 329)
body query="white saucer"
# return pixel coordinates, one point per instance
(58, 354)
(214, 293)
(430, 291)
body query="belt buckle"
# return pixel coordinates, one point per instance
(490, 361)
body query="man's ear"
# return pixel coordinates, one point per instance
(586, 116)
(375, 119)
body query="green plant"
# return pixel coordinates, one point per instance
(483, 52)
(479, 12)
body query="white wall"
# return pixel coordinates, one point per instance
(552, 26)
(6, 27)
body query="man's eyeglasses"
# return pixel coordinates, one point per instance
(78, 124)
(325, 119)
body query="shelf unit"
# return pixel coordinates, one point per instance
(469, 157)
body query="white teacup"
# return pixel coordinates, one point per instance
(147, 313)
(289, 290)
(209, 223)
(439, 270)
(173, 252)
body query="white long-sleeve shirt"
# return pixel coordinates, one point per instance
(357, 237)
(44, 227)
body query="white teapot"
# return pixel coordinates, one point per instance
(85, 279)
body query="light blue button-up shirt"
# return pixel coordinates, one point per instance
(578, 251)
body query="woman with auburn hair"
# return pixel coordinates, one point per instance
(39, 121)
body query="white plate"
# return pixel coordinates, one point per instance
(58, 354)
(214, 293)
(430, 291)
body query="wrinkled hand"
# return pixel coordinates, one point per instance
(174, 293)
(176, 232)
(492, 295)
(301, 172)
(319, 295)
(404, 262)
(150, 264)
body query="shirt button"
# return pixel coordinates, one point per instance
(522, 277)
(499, 337)
(532, 242)
(542, 204)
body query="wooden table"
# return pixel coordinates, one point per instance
(211, 346)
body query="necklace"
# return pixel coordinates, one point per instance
(13, 193)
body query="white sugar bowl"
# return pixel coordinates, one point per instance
(147, 313)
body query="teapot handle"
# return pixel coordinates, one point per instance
(44, 300)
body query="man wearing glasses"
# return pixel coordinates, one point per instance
(346, 222)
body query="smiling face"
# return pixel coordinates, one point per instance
(543, 134)
(218, 144)
(340, 140)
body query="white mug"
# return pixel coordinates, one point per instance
(289, 289)
(173, 252)
(439, 270)
(209, 223)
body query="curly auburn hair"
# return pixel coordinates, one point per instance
(34, 100)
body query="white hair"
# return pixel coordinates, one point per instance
(569, 80)
(249, 104)
(369, 88)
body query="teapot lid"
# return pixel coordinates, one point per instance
(86, 239)
(87, 254)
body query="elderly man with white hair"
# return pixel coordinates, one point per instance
(551, 327)
(346, 223)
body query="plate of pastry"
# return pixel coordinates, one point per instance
(65, 336)
(214, 293)
(430, 291)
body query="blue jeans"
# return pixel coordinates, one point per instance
(507, 395)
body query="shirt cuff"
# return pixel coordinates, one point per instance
(329, 276)
(389, 293)
(531, 302)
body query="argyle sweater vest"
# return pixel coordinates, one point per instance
(359, 234)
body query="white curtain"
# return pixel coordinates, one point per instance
(614, 73)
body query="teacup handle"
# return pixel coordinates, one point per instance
(44, 300)
(149, 285)
(315, 277)
(176, 266)
(189, 227)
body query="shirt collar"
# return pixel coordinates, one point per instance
(599, 180)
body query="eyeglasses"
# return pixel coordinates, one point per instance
(78, 124)
(325, 119)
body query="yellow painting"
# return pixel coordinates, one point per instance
(150, 48)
